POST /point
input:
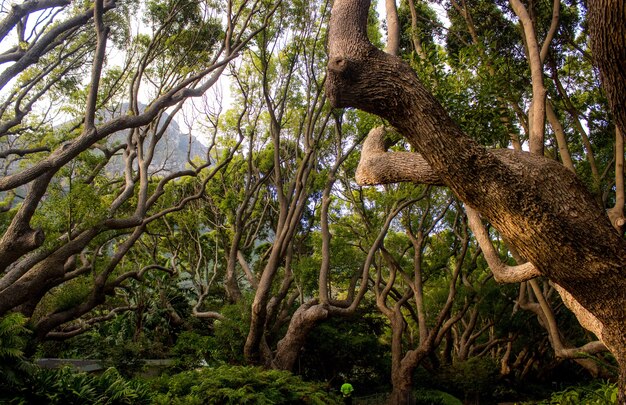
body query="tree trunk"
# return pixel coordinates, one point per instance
(536, 204)
(35, 282)
(401, 371)
(402, 383)
(302, 322)
(608, 46)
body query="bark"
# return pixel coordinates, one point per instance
(537, 111)
(230, 283)
(536, 204)
(616, 214)
(35, 282)
(417, 43)
(393, 28)
(608, 46)
(379, 167)
(302, 322)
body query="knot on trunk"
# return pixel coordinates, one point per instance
(338, 65)
(616, 216)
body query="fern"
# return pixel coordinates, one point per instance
(13, 339)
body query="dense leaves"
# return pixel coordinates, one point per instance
(239, 385)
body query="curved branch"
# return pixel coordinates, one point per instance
(554, 26)
(23, 152)
(18, 11)
(377, 166)
(84, 326)
(501, 272)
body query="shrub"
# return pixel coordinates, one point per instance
(13, 338)
(239, 385)
(191, 350)
(66, 386)
(127, 358)
(600, 393)
(472, 379)
(434, 397)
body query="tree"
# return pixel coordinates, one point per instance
(64, 204)
(538, 205)
(407, 301)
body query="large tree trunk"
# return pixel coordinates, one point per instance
(402, 387)
(402, 375)
(536, 204)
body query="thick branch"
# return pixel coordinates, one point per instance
(608, 46)
(23, 152)
(18, 11)
(377, 166)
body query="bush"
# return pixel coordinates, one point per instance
(66, 386)
(13, 338)
(472, 379)
(239, 385)
(434, 397)
(127, 358)
(600, 393)
(191, 351)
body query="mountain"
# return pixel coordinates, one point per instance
(172, 151)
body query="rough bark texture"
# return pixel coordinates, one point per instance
(536, 204)
(379, 167)
(608, 46)
(303, 321)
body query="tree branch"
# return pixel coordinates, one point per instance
(377, 166)
(501, 272)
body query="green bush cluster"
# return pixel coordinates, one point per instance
(598, 393)
(472, 379)
(13, 338)
(434, 397)
(239, 385)
(66, 386)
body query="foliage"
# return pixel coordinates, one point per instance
(13, 340)
(127, 358)
(596, 393)
(239, 385)
(472, 378)
(358, 353)
(66, 386)
(434, 397)
(230, 333)
(191, 350)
